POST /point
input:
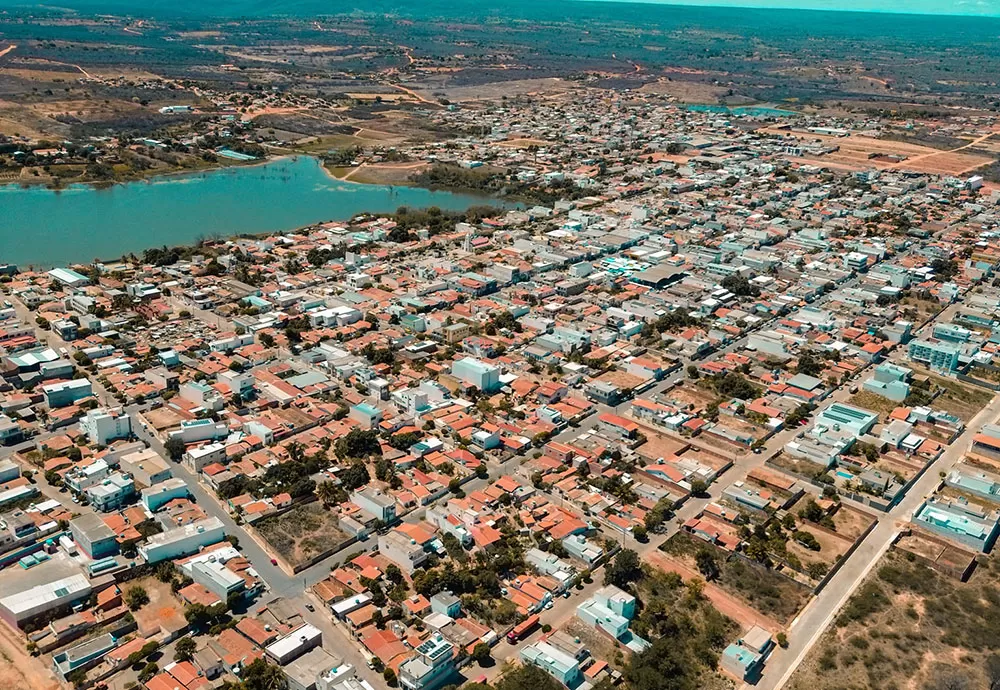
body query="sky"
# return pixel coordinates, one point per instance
(953, 7)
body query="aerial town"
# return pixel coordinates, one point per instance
(701, 403)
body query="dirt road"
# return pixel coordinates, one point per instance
(18, 669)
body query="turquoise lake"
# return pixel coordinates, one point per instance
(44, 227)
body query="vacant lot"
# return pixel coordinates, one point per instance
(909, 626)
(301, 533)
(962, 400)
(874, 402)
(164, 610)
(795, 466)
(854, 151)
(847, 522)
(764, 589)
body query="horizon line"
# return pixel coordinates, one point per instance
(803, 6)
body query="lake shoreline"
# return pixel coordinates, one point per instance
(150, 179)
(45, 227)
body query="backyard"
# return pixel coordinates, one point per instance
(302, 533)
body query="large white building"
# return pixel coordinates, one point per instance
(430, 666)
(182, 541)
(67, 392)
(146, 466)
(472, 372)
(200, 430)
(103, 426)
(202, 456)
(294, 644)
(37, 601)
(158, 495)
(376, 503)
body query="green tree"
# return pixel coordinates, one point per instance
(664, 665)
(527, 677)
(811, 511)
(707, 565)
(174, 447)
(148, 671)
(807, 539)
(481, 654)
(358, 443)
(136, 597)
(329, 493)
(261, 675)
(184, 649)
(355, 476)
(624, 569)
(809, 364)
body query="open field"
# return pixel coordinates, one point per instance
(397, 174)
(769, 592)
(685, 91)
(909, 626)
(855, 151)
(443, 84)
(726, 603)
(795, 466)
(19, 670)
(960, 399)
(874, 402)
(301, 533)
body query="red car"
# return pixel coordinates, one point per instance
(274, 562)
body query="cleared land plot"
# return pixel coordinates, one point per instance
(689, 394)
(658, 445)
(164, 418)
(601, 646)
(397, 174)
(940, 554)
(962, 400)
(855, 150)
(766, 590)
(909, 626)
(302, 533)
(794, 466)
(164, 609)
(897, 463)
(874, 402)
(846, 521)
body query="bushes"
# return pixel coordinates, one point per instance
(869, 600)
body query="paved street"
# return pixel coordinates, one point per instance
(805, 630)
(818, 615)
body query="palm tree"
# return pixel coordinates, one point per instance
(296, 451)
(327, 492)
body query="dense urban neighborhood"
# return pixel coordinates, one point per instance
(696, 398)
